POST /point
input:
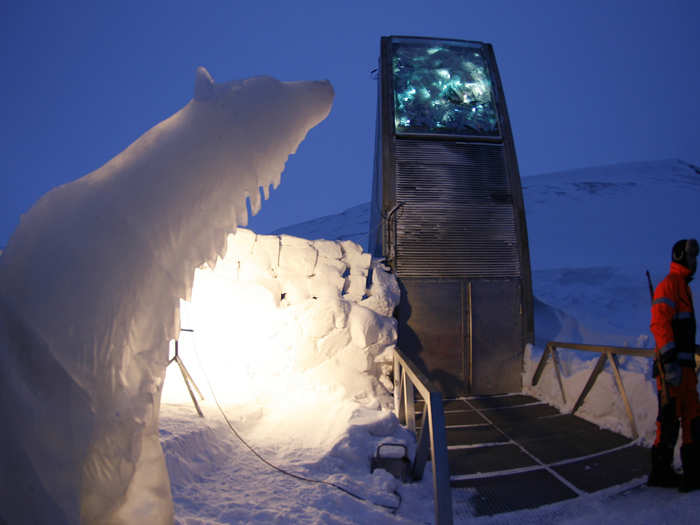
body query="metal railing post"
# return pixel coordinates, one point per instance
(409, 403)
(557, 371)
(540, 366)
(618, 379)
(607, 353)
(422, 448)
(432, 432)
(440, 464)
(589, 384)
(549, 350)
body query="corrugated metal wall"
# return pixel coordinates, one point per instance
(456, 215)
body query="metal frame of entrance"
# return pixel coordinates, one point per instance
(447, 213)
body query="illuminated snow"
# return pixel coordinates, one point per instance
(287, 329)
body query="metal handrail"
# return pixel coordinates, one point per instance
(608, 353)
(408, 379)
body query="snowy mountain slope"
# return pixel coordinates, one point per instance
(625, 215)
(594, 232)
(352, 224)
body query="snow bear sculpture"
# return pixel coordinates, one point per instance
(90, 284)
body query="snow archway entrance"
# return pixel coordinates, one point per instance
(291, 335)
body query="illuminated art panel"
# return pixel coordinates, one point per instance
(443, 87)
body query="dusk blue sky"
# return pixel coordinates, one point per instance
(586, 83)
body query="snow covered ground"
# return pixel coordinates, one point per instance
(592, 234)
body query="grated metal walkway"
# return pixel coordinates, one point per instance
(511, 452)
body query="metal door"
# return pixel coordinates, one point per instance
(432, 330)
(497, 336)
(466, 335)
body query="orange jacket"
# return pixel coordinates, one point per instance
(673, 318)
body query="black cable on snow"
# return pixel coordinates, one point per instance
(391, 508)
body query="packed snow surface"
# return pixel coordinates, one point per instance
(598, 297)
(90, 288)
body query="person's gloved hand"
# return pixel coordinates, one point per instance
(672, 373)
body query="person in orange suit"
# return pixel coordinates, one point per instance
(673, 326)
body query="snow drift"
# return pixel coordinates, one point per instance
(291, 336)
(90, 284)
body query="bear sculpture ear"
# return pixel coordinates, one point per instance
(203, 84)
